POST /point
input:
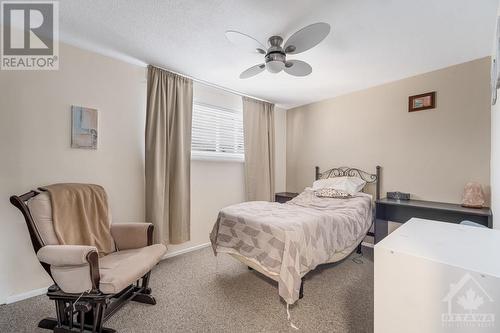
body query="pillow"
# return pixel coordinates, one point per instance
(328, 192)
(351, 185)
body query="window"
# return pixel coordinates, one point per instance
(217, 133)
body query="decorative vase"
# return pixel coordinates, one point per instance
(473, 196)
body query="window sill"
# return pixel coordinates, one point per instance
(216, 158)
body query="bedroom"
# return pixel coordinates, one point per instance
(255, 138)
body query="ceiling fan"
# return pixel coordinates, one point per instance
(275, 56)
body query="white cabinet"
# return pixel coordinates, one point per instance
(434, 276)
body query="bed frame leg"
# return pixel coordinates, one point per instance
(358, 250)
(301, 291)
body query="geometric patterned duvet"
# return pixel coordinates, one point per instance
(291, 239)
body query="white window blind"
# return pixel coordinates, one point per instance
(217, 133)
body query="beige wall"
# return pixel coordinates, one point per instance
(214, 185)
(35, 130)
(35, 148)
(430, 154)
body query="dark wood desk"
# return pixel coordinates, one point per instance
(403, 210)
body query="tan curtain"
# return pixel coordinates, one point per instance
(258, 125)
(168, 155)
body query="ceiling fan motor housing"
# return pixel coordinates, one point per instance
(275, 57)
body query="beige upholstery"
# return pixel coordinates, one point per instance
(120, 269)
(65, 255)
(72, 279)
(130, 235)
(68, 266)
(68, 263)
(41, 211)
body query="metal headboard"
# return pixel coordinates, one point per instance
(353, 172)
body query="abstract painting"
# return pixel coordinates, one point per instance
(83, 128)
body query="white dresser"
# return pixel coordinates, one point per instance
(434, 276)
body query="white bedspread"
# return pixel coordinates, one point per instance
(293, 238)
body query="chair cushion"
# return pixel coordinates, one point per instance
(41, 210)
(120, 269)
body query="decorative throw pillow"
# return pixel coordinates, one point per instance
(331, 193)
(351, 185)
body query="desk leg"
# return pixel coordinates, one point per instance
(381, 229)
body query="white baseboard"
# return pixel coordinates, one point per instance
(25, 295)
(187, 250)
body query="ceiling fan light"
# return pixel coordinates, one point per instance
(275, 66)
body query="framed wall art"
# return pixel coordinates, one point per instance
(422, 102)
(83, 127)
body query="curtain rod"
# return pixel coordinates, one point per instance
(213, 85)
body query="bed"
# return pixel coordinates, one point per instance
(286, 241)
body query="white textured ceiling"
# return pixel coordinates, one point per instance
(372, 41)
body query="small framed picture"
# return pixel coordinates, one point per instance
(84, 127)
(422, 102)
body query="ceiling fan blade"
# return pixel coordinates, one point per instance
(298, 68)
(252, 71)
(306, 38)
(245, 42)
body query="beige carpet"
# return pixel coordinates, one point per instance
(197, 293)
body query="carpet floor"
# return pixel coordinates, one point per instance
(197, 292)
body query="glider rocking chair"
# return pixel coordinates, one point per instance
(89, 289)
